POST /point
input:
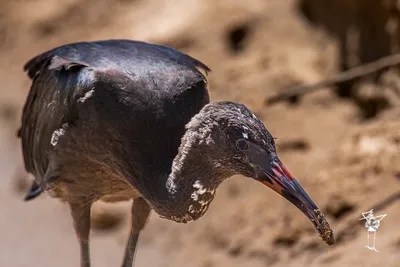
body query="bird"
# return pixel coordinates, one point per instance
(118, 120)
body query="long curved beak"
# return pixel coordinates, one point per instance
(276, 176)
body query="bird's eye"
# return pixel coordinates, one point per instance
(242, 144)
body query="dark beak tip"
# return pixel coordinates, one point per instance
(328, 237)
(324, 229)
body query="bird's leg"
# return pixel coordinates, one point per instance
(81, 217)
(140, 214)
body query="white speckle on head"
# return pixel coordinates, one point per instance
(245, 136)
(57, 133)
(51, 103)
(194, 196)
(209, 140)
(245, 127)
(171, 185)
(197, 184)
(191, 209)
(200, 189)
(199, 192)
(254, 116)
(186, 218)
(86, 96)
(203, 203)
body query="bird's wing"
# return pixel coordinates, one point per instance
(64, 76)
(51, 105)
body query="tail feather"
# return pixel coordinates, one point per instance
(33, 192)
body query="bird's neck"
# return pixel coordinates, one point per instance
(193, 180)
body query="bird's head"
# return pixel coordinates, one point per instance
(235, 141)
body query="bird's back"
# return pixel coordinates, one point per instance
(131, 57)
(109, 92)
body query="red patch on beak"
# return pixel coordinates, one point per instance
(282, 170)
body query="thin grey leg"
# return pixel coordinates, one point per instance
(81, 217)
(140, 214)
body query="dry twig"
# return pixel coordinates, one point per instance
(344, 76)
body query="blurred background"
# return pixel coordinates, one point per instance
(342, 142)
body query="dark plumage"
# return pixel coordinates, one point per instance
(106, 120)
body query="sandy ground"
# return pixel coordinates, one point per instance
(347, 164)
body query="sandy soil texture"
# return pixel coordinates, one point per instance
(347, 163)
